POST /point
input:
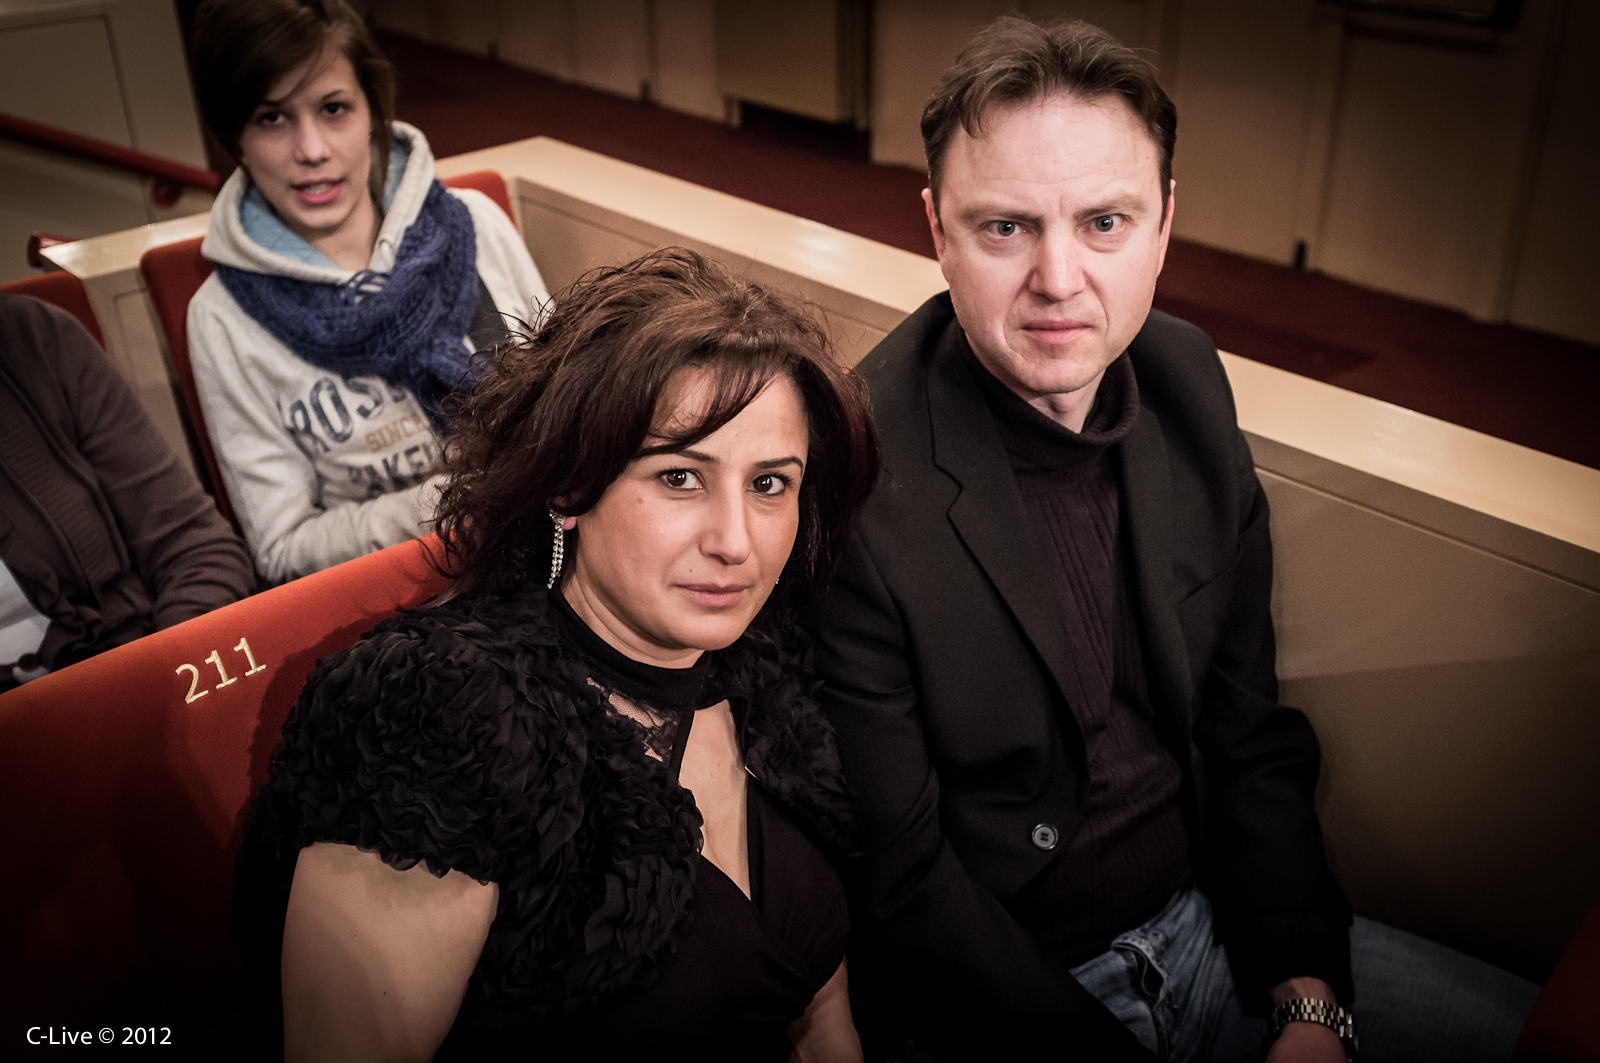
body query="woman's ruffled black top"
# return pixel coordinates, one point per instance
(485, 735)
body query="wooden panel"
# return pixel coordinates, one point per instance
(604, 44)
(1245, 95)
(465, 25)
(128, 86)
(1556, 287)
(1432, 138)
(569, 237)
(611, 45)
(410, 17)
(684, 76)
(913, 42)
(537, 34)
(566, 246)
(1540, 510)
(90, 102)
(783, 55)
(1437, 601)
(1403, 152)
(1454, 693)
(146, 362)
(155, 83)
(1135, 23)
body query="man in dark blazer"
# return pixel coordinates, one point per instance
(1049, 653)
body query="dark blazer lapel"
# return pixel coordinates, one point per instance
(987, 512)
(1146, 487)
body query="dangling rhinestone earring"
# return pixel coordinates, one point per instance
(558, 551)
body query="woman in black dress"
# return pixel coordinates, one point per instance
(585, 806)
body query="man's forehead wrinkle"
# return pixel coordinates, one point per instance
(998, 188)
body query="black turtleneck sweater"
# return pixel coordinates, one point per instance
(1130, 850)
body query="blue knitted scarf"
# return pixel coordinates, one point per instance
(406, 326)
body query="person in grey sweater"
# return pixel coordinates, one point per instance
(105, 535)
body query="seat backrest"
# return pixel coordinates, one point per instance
(123, 783)
(172, 274)
(60, 288)
(489, 183)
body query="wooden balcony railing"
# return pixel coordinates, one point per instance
(168, 178)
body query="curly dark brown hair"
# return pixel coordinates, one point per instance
(559, 414)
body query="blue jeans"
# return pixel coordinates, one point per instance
(1170, 984)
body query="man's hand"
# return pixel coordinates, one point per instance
(1305, 1042)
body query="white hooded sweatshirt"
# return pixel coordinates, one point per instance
(320, 468)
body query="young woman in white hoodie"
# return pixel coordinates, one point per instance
(350, 287)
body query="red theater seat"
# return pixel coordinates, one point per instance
(60, 288)
(124, 780)
(1564, 1026)
(174, 272)
(489, 183)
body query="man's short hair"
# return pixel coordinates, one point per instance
(1013, 60)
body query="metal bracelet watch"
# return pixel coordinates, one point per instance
(1321, 1012)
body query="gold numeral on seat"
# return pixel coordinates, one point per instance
(194, 682)
(223, 678)
(244, 647)
(216, 659)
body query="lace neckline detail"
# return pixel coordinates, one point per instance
(661, 702)
(645, 684)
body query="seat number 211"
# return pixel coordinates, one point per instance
(224, 679)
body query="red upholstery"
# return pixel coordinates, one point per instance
(174, 272)
(62, 289)
(489, 183)
(1565, 1022)
(123, 802)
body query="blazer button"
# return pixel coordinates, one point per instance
(1045, 837)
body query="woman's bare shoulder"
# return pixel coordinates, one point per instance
(376, 960)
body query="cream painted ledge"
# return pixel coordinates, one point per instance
(1531, 507)
(864, 287)
(895, 280)
(100, 256)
